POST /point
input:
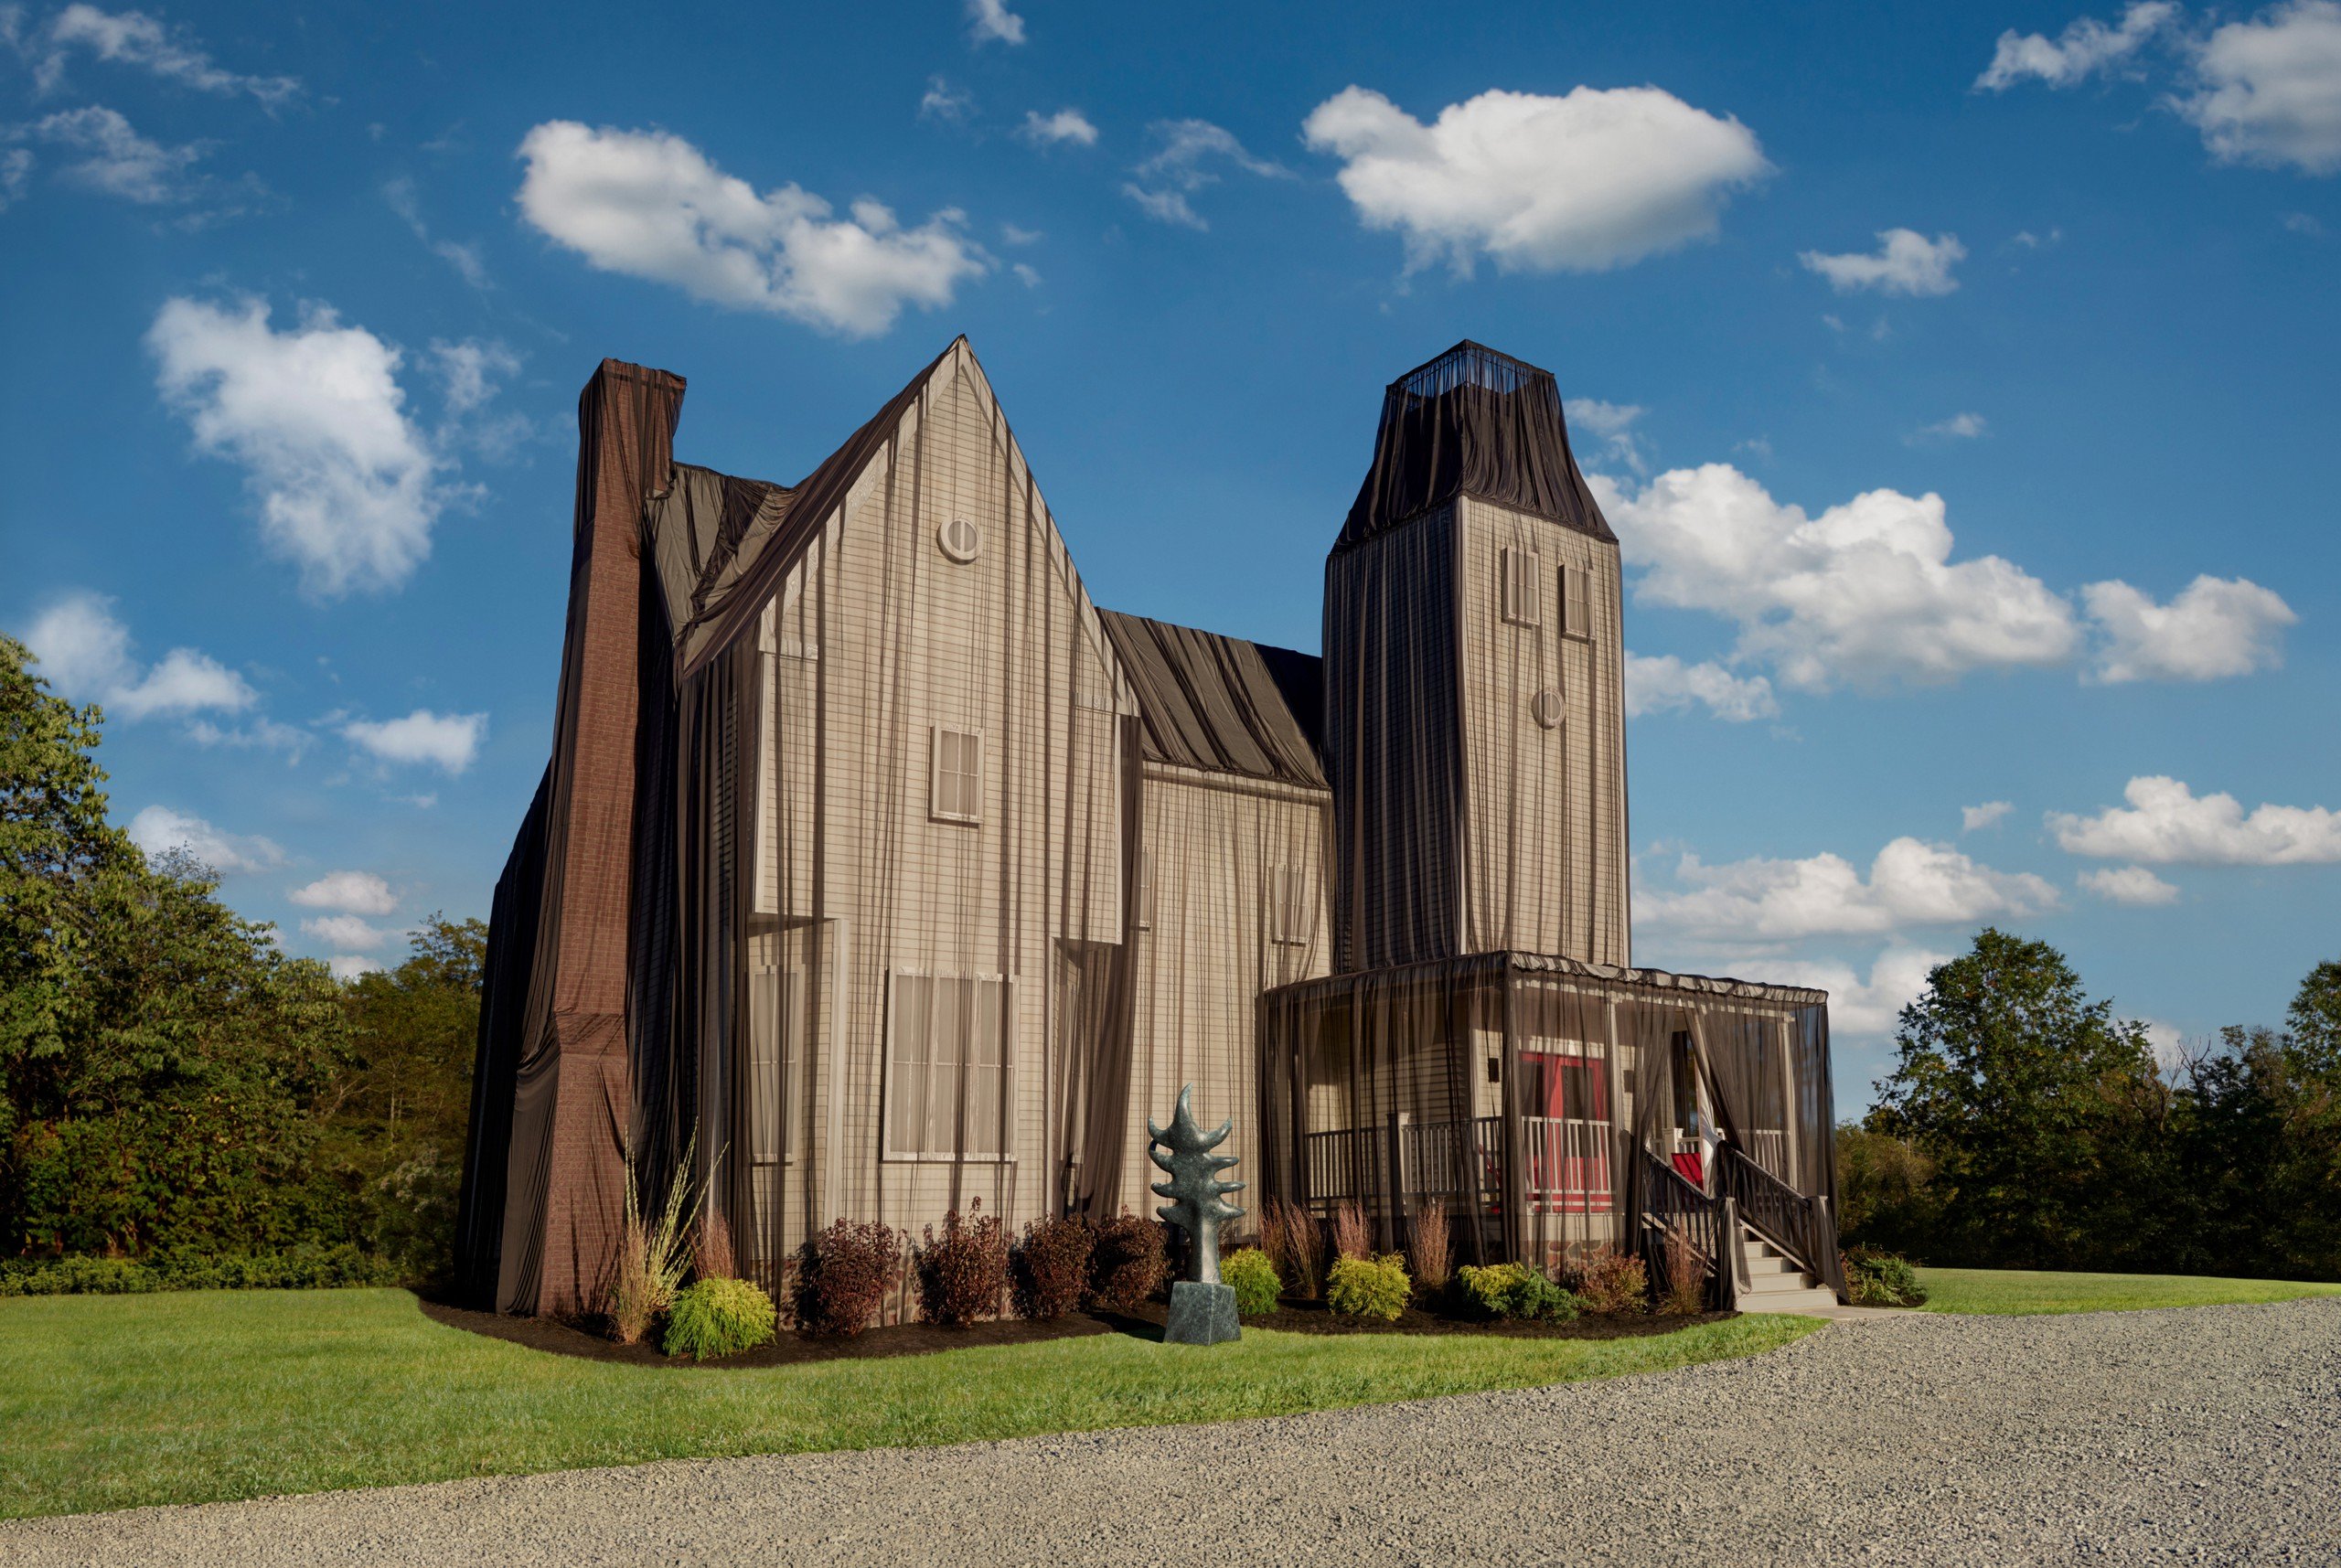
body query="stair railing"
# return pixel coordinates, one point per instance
(1800, 1226)
(1675, 1207)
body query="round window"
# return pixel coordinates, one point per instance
(959, 539)
(1546, 707)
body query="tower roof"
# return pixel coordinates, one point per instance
(1473, 423)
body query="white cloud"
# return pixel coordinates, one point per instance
(1582, 183)
(991, 21)
(2269, 91)
(1665, 684)
(942, 102)
(351, 892)
(1906, 262)
(1864, 593)
(2132, 885)
(1613, 422)
(1863, 1008)
(2165, 823)
(447, 741)
(1026, 274)
(85, 653)
(2085, 47)
(344, 931)
(346, 484)
(1911, 883)
(1188, 157)
(470, 370)
(16, 172)
(2215, 628)
(261, 732)
(1974, 818)
(1055, 130)
(650, 204)
(133, 37)
(118, 161)
(1015, 235)
(158, 830)
(1958, 427)
(350, 965)
(464, 258)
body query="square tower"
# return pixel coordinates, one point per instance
(1474, 682)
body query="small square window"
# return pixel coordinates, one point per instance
(1517, 568)
(1290, 917)
(957, 781)
(1575, 621)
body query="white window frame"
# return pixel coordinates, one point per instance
(943, 806)
(1517, 577)
(888, 1150)
(1577, 616)
(1291, 913)
(1142, 910)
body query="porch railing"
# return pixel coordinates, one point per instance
(1436, 1159)
(1567, 1164)
(1674, 1209)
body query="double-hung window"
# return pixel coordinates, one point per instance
(1575, 619)
(957, 776)
(1517, 572)
(949, 1078)
(1290, 915)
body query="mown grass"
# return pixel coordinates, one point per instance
(112, 1401)
(2014, 1292)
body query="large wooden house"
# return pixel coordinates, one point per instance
(877, 871)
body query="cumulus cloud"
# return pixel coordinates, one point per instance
(346, 484)
(1189, 156)
(1863, 593)
(350, 965)
(1905, 263)
(1592, 181)
(1910, 884)
(344, 931)
(1665, 684)
(650, 204)
(2084, 49)
(350, 892)
(2214, 629)
(135, 39)
(943, 102)
(116, 160)
(2132, 885)
(1863, 1006)
(2268, 91)
(159, 830)
(2165, 823)
(1066, 125)
(85, 653)
(991, 22)
(1614, 423)
(448, 742)
(1974, 818)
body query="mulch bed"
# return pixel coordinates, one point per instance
(1145, 1322)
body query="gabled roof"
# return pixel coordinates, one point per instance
(1222, 704)
(1473, 423)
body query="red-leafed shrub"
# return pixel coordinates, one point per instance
(842, 1275)
(1611, 1281)
(1050, 1268)
(1128, 1263)
(963, 1272)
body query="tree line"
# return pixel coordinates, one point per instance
(2026, 1126)
(173, 1087)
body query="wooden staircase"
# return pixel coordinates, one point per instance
(1775, 1281)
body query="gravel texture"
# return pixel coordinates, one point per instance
(2207, 1434)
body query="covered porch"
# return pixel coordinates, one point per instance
(1552, 1108)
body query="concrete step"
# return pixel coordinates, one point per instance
(1770, 1265)
(1800, 1300)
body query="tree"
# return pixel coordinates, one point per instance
(2045, 1116)
(2313, 1022)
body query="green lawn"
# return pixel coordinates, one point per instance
(2013, 1291)
(109, 1402)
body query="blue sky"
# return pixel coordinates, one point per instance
(1961, 378)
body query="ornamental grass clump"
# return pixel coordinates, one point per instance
(1294, 1241)
(711, 1254)
(842, 1275)
(1610, 1282)
(1516, 1293)
(1683, 1291)
(1876, 1278)
(719, 1316)
(1252, 1274)
(963, 1273)
(1048, 1270)
(1369, 1287)
(1128, 1262)
(1431, 1249)
(1352, 1236)
(653, 1253)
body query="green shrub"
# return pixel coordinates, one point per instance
(298, 1268)
(1369, 1287)
(1255, 1279)
(1611, 1281)
(719, 1318)
(1875, 1278)
(77, 1276)
(1517, 1291)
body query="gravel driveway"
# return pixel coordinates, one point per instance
(2205, 1434)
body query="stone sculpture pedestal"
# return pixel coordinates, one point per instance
(1200, 1314)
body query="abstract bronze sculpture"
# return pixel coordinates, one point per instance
(1203, 1310)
